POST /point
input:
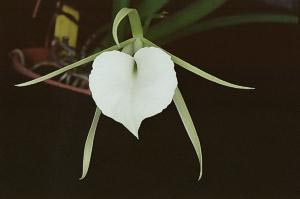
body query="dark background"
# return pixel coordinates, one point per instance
(249, 138)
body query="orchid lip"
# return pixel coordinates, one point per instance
(130, 89)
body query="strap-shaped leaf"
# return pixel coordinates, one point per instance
(118, 5)
(147, 8)
(189, 126)
(88, 147)
(233, 21)
(135, 23)
(183, 18)
(74, 65)
(196, 70)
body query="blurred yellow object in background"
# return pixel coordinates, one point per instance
(65, 27)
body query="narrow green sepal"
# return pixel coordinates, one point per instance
(135, 23)
(74, 65)
(189, 126)
(196, 70)
(88, 147)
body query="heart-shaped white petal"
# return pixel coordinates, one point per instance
(130, 89)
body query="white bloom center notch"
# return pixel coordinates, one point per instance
(129, 89)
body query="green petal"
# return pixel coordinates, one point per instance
(197, 71)
(135, 23)
(189, 126)
(88, 147)
(74, 65)
(117, 6)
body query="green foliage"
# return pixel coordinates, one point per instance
(235, 20)
(183, 18)
(148, 8)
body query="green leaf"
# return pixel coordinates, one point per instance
(196, 70)
(118, 5)
(189, 126)
(183, 18)
(88, 147)
(231, 21)
(74, 65)
(147, 8)
(135, 23)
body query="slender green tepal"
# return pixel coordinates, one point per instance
(196, 70)
(88, 147)
(74, 65)
(189, 126)
(116, 7)
(135, 23)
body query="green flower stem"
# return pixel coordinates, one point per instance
(183, 18)
(88, 147)
(189, 126)
(74, 65)
(232, 21)
(196, 70)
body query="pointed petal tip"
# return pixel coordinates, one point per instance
(247, 88)
(83, 175)
(135, 133)
(200, 176)
(238, 86)
(26, 83)
(19, 85)
(134, 130)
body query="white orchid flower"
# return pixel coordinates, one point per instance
(130, 87)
